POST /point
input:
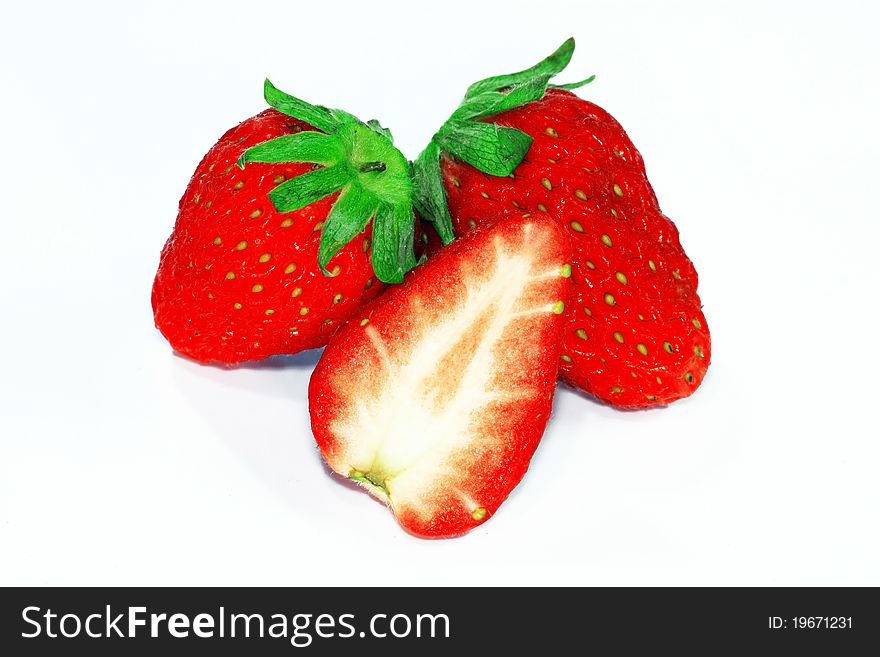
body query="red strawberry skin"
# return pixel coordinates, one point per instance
(435, 396)
(238, 281)
(635, 333)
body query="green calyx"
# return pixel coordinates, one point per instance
(359, 161)
(493, 149)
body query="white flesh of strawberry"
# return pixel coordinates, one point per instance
(398, 445)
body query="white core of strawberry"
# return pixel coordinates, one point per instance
(402, 441)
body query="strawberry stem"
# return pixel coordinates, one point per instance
(493, 149)
(358, 160)
(372, 167)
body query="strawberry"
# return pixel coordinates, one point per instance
(434, 397)
(635, 333)
(291, 222)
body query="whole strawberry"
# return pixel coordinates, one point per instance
(292, 221)
(635, 334)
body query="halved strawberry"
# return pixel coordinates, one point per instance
(436, 395)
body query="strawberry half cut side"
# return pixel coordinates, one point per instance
(436, 396)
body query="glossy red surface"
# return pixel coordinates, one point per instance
(635, 334)
(238, 281)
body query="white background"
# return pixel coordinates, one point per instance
(121, 463)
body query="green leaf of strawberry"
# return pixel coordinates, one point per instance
(316, 115)
(360, 161)
(300, 147)
(491, 148)
(308, 188)
(543, 70)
